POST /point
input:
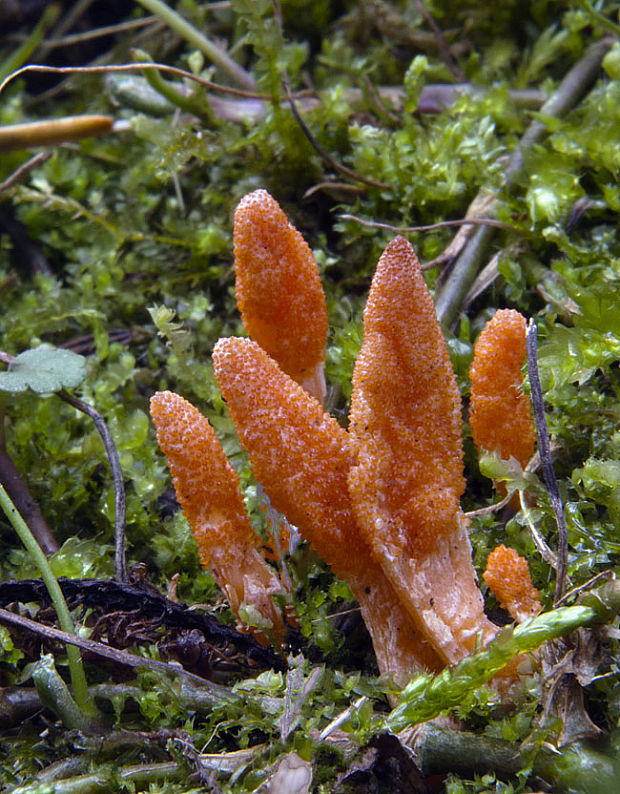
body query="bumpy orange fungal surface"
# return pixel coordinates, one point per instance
(279, 291)
(406, 409)
(500, 415)
(507, 576)
(208, 490)
(302, 457)
(405, 487)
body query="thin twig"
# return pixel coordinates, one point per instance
(430, 226)
(120, 565)
(608, 574)
(347, 187)
(65, 23)
(95, 33)
(442, 45)
(375, 96)
(485, 511)
(107, 652)
(218, 55)
(541, 544)
(478, 208)
(26, 506)
(319, 149)
(131, 67)
(277, 12)
(546, 460)
(23, 170)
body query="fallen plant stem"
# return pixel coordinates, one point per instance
(213, 691)
(53, 131)
(442, 45)
(543, 547)
(319, 149)
(23, 52)
(576, 82)
(434, 97)
(426, 696)
(95, 33)
(23, 170)
(120, 565)
(546, 459)
(209, 48)
(55, 694)
(450, 298)
(571, 90)
(169, 92)
(430, 226)
(78, 678)
(26, 506)
(130, 67)
(438, 750)
(102, 780)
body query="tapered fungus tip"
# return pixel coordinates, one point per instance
(279, 291)
(507, 576)
(500, 415)
(298, 452)
(406, 410)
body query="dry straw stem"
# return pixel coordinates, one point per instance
(209, 493)
(406, 486)
(52, 132)
(302, 456)
(279, 291)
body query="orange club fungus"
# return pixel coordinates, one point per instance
(405, 422)
(208, 490)
(302, 457)
(379, 503)
(500, 416)
(279, 291)
(507, 576)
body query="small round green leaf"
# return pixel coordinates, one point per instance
(44, 369)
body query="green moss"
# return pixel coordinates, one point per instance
(143, 218)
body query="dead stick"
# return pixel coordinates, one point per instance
(25, 504)
(572, 88)
(120, 565)
(546, 459)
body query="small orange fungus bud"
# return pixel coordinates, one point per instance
(406, 425)
(209, 493)
(507, 576)
(279, 292)
(301, 456)
(500, 416)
